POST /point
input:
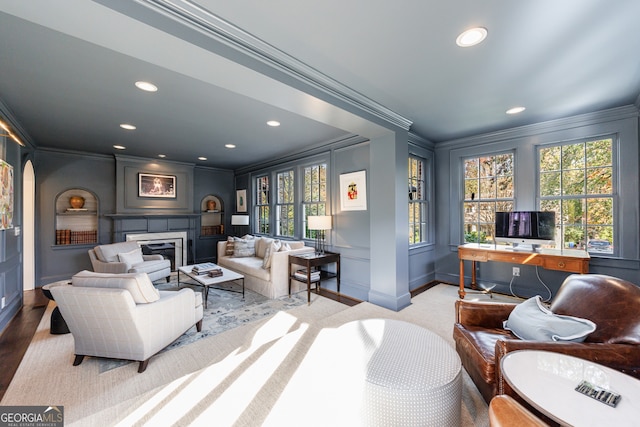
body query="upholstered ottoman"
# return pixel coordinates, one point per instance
(411, 376)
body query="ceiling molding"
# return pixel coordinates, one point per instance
(194, 16)
(586, 119)
(10, 120)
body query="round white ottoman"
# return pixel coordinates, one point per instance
(412, 377)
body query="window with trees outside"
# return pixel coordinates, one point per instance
(417, 201)
(285, 207)
(576, 182)
(488, 188)
(262, 205)
(314, 199)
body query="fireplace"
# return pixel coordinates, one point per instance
(168, 244)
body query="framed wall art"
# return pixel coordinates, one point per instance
(6, 195)
(241, 201)
(353, 191)
(158, 186)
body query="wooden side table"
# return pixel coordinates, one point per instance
(314, 261)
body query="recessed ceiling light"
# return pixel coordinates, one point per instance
(273, 123)
(202, 158)
(162, 156)
(127, 126)
(230, 145)
(119, 147)
(471, 37)
(146, 86)
(515, 110)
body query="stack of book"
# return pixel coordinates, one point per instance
(302, 275)
(216, 272)
(210, 230)
(68, 237)
(204, 268)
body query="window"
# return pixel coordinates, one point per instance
(285, 207)
(417, 201)
(488, 188)
(262, 205)
(576, 182)
(314, 199)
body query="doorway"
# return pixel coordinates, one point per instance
(28, 226)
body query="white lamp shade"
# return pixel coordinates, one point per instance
(239, 219)
(320, 222)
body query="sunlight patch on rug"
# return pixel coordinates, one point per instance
(225, 310)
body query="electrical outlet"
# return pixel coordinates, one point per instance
(516, 271)
(3, 302)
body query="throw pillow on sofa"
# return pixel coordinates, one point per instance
(229, 249)
(273, 247)
(244, 248)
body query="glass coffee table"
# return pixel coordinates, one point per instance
(229, 277)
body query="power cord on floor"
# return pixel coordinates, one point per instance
(543, 284)
(539, 279)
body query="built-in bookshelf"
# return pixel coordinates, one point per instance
(212, 219)
(76, 223)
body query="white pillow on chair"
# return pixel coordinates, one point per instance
(531, 320)
(131, 258)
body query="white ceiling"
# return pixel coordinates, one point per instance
(67, 71)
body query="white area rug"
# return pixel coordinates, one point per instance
(233, 378)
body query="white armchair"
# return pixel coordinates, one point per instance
(124, 316)
(127, 257)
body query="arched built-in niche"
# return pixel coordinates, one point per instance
(76, 217)
(212, 220)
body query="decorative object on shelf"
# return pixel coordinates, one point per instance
(160, 186)
(241, 201)
(211, 205)
(319, 224)
(353, 191)
(76, 202)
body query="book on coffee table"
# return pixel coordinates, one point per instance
(204, 268)
(216, 272)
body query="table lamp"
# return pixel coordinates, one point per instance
(319, 224)
(239, 221)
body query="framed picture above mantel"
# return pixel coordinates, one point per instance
(156, 186)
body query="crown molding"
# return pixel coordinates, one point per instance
(10, 120)
(191, 15)
(612, 114)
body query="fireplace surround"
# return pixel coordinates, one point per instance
(179, 229)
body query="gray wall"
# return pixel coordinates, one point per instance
(622, 123)
(219, 183)
(10, 240)
(352, 230)
(59, 171)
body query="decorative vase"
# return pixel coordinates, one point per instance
(211, 205)
(76, 202)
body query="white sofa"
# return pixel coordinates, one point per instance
(124, 316)
(268, 277)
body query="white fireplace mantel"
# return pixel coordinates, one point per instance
(178, 239)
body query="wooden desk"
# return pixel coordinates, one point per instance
(569, 260)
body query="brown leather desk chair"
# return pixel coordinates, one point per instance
(612, 304)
